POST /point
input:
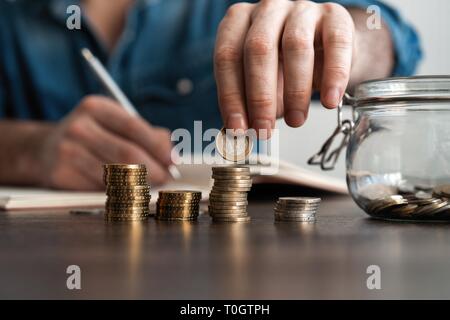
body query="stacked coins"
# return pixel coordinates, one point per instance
(178, 205)
(228, 197)
(296, 209)
(128, 193)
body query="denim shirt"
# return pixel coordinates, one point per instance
(163, 61)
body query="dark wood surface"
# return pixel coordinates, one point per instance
(201, 260)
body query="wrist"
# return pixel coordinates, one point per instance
(359, 17)
(373, 56)
(356, 74)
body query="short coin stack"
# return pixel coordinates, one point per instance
(128, 192)
(178, 205)
(228, 197)
(296, 209)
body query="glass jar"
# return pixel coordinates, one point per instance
(398, 155)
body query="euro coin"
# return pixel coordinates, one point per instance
(442, 191)
(232, 219)
(125, 219)
(178, 205)
(295, 219)
(296, 200)
(233, 147)
(231, 170)
(296, 209)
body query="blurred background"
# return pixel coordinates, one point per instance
(430, 18)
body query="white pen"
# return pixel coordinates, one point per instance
(114, 90)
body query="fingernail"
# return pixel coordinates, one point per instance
(295, 118)
(236, 121)
(332, 97)
(174, 158)
(174, 172)
(263, 128)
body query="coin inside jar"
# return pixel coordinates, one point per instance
(233, 145)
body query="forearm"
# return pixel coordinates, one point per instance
(20, 144)
(374, 51)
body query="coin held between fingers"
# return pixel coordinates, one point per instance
(233, 148)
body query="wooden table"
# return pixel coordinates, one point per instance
(202, 260)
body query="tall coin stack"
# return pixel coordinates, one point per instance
(178, 205)
(228, 197)
(296, 209)
(128, 193)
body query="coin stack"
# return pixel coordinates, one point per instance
(296, 209)
(228, 197)
(128, 193)
(178, 205)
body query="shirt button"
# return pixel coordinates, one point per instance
(185, 86)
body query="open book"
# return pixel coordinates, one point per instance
(196, 177)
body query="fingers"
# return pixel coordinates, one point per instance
(64, 177)
(280, 103)
(261, 63)
(154, 141)
(77, 167)
(337, 37)
(111, 148)
(316, 42)
(74, 168)
(228, 65)
(298, 61)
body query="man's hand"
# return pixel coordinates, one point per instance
(270, 56)
(99, 131)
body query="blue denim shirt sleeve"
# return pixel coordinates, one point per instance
(42, 84)
(406, 42)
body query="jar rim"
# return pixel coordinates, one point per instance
(401, 89)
